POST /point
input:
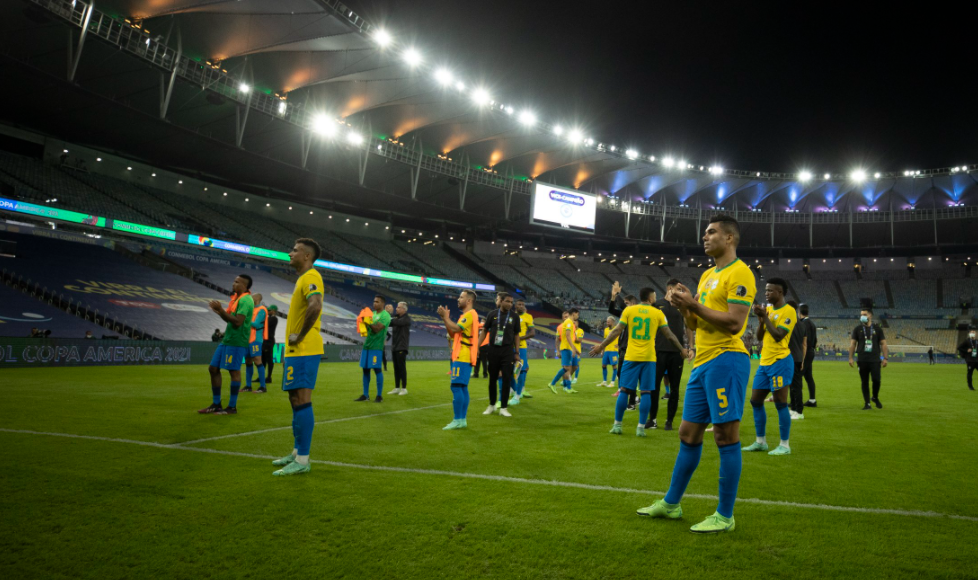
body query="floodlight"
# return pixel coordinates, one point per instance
(859, 175)
(528, 118)
(443, 76)
(480, 96)
(382, 37)
(668, 162)
(558, 130)
(631, 154)
(575, 136)
(805, 176)
(323, 125)
(244, 88)
(412, 57)
(354, 138)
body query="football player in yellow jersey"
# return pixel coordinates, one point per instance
(775, 324)
(465, 354)
(527, 332)
(642, 321)
(304, 350)
(568, 346)
(579, 337)
(718, 383)
(610, 355)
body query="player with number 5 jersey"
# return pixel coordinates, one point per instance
(718, 383)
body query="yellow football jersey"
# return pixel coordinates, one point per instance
(732, 284)
(526, 323)
(613, 345)
(562, 332)
(580, 335)
(641, 322)
(785, 319)
(465, 322)
(309, 284)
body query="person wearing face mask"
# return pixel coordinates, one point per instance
(969, 352)
(870, 342)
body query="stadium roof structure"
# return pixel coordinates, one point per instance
(304, 99)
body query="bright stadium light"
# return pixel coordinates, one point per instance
(443, 76)
(681, 164)
(412, 57)
(282, 107)
(612, 148)
(631, 153)
(668, 162)
(480, 96)
(877, 175)
(805, 176)
(244, 88)
(528, 118)
(558, 130)
(323, 125)
(651, 157)
(354, 138)
(459, 86)
(575, 136)
(382, 37)
(827, 176)
(859, 175)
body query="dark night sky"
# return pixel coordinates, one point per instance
(747, 85)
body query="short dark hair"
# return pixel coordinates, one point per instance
(866, 309)
(644, 293)
(779, 282)
(803, 309)
(631, 298)
(729, 225)
(573, 311)
(470, 294)
(520, 299)
(382, 299)
(312, 245)
(672, 282)
(503, 296)
(248, 278)
(566, 312)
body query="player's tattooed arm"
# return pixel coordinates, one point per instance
(599, 349)
(314, 307)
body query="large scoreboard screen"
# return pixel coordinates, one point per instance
(562, 207)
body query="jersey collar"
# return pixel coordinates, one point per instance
(735, 260)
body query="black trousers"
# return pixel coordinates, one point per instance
(795, 398)
(385, 358)
(267, 358)
(501, 359)
(809, 359)
(971, 369)
(483, 362)
(673, 363)
(867, 370)
(400, 369)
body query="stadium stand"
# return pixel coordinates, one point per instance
(434, 256)
(21, 312)
(856, 290)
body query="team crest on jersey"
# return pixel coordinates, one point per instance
(787, 321)
(312, 287)
(712, 284)
(741, 291)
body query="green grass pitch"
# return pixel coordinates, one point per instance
(547, 493)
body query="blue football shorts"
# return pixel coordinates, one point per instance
(716, 390)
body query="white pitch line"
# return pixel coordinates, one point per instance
(553, 483)
(340, 420)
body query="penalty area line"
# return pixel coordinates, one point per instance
(505, 478)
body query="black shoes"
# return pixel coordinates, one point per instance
(379, 399)
(653, 424)
(810, 404)
(630, 408)
(668, 426)
(877, 401)
(362, 398)
(867, 407)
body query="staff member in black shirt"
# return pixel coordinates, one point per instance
(798, 346)
(668, 359)
(869, 340)
(503, 329)
(812, 344)
(616, 306)
(268, 346)
(400, 344)
(969, 352)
